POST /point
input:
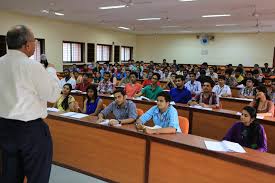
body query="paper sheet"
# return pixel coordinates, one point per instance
(52, 109)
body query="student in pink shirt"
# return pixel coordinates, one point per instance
(133, 87)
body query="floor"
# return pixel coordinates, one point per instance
(62, 175)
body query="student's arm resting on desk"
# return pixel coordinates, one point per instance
(103, 114)
(132, 116)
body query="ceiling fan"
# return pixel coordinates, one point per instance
(130, 3)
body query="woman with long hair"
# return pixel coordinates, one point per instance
(66, 101)
(92, 104)
(248, 132)
(262, 103)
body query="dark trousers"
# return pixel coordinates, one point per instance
(25, 150)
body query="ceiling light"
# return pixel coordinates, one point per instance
(59, 14)
(112, 7)
(45, 11)
(170, 26)
(145, 19)
(223, 25)
(211, 16)
(186, 31)
(125, 28)
(187, 0)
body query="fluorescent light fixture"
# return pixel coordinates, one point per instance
(170, 26)
(125, 28)
(112, 7)
(145, 19)
(45, 11)
(59, 14)
(224, 25)
(211, 16)
(186, 31)
(187, 0)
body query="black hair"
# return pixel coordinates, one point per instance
(156, 74)
(190, 73)
(210, 81)
(91, 87)
(134, 73)
(181, 77)
(165, 95)
(254, 130)
(18, 36)
(255, 72)
(120, 90)
(65, 102)
(263, 89)
(107, 73)
(173, 74)
(203, 72)
(239, 70)
(221, 77)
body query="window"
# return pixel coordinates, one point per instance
(103, 53)
(73, 52)
(126, 53)
(39, 49)
(117, 53)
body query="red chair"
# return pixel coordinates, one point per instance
(140, 112)
(184, 124)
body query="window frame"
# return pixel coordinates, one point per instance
(110, 53)
(82, 52)
(131, 53)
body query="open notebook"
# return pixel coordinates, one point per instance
(224, 146)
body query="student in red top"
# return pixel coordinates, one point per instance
(148, 81)
(133, 87)
(84, 84)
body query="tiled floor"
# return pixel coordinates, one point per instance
(62, 175)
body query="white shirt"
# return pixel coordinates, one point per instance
(222, 90)
(194, 87)
(26, 87)
(70, 81)
(213, 76)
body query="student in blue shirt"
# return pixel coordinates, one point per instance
(163, 114)
(180, 94)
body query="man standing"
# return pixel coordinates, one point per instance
(180, 94)
(25, 140)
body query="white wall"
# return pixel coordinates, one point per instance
(54, 32)
(247, 49)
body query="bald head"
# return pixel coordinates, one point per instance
(18, 36)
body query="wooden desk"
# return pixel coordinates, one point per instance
(120, 154)
(234, 104)
(235, 91)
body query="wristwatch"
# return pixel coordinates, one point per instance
(119, 121)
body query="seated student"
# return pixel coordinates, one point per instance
(248, 133)
(97, 77)
(148, 81)
(206, 98)
(180, 94)
(163, 114)
(133, 88)
(262, 102)
(230, 80)
(82, 86)
(249, 75)
(77, 77)
(193, 86)
(238, 76)
(266, 71)
(202, 78)
(151, 91)
(68, 79)
(123, 110)
(212, 74)
(249, 91)
(257, 76)
(92, 104)
(171, 82)
(66, 102)
(221, 89)
(126, 78)
(106, 86)
(272, 91)
(257, 68)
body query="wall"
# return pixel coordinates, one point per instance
(54, 32)
(247, 49)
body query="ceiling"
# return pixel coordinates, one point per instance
(177, 17)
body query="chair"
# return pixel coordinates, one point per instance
(140, 112)
(184, 124)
